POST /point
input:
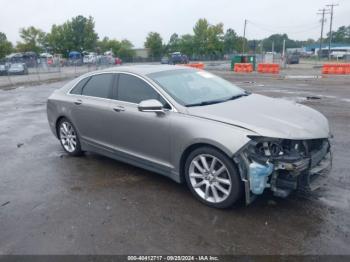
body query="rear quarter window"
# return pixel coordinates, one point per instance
(77, 90)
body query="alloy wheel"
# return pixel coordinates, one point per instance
(210, 178)
(68, 137)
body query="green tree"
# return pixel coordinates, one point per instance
(122, 49)
(59, 39)
(231, 42)
(83, 33)
(103, 45)
(187, 45)
(309, 41)
(174, 43)
(155, 43)
(208, 39)
(76, 34)
(239, 45)
(201, 36)
(109, 45)
(33, 39)
(341, 35)
(277, 40)
(215, 39)
(126, 49)
(5, 46)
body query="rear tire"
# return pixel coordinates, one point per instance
(68, 137)
(213, 178)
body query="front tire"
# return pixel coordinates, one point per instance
(212, 177)
(68, 137)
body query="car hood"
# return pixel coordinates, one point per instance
(270, 117)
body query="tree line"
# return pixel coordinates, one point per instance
(76, 34)
(207, 40)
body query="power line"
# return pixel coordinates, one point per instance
(309, 29)
(275, 28)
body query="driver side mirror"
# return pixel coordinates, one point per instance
(151, 105)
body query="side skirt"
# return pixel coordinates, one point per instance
(130, 159)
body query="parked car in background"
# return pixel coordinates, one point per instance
(3, 70)
(195, 128)
(185, 59)
(46, 55)
(104, 60)
(178, 58)
(118, 61)
(30, 59)
(340, 53)
(293, 58)
(164, 60)
(90, 58)
(58, 60)
(14, 58)
(75, 58)
(46, 59)
(18, 69)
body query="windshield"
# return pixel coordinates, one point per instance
(194, 88)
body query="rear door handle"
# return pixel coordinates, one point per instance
(78, 102)
(119, 109)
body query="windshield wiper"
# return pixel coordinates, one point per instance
(205, 103)
(246, 93)
(211, 102)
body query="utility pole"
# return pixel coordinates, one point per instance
(245, 26)
(330, 31)
(323, 12)
(273, 47)
(284, 53)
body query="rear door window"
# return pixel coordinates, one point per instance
(99, 86)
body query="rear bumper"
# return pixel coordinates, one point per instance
(51, 116)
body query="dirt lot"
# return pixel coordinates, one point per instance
(54, 204)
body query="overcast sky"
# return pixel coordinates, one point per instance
(133, 19)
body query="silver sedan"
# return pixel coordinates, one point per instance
(194, 127)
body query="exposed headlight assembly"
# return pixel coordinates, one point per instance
(269, 149)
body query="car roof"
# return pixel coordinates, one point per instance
(143, 69)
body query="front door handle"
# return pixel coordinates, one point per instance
(78, 102)
(119, 109)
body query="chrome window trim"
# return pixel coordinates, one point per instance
(173, 108)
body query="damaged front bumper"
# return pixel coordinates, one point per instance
(303, 166)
